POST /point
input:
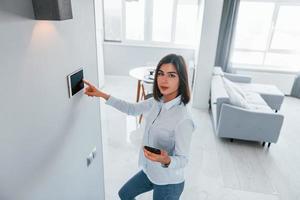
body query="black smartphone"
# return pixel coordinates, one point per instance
(152, 149)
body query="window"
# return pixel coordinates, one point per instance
(112, 20)
(287, 29)
(186, 22)
(162, 20)
(135, 20)
(158, 22)
(270, 38)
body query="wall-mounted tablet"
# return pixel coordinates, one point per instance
(75, 83)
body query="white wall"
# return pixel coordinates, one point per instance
(45, 137)
(119, 58)
(206, 52)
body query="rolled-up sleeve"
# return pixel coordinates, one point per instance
(130, 108)
(183, 137)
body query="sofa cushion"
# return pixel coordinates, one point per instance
(256, 102)
(235, 86)
(235, 94)
(254, 98)
(270, 93)
(261, 88)
(218, 71)
(260, 108)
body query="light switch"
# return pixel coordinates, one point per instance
(94, 152)
(89, 159)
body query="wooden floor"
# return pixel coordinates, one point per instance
(218, 169)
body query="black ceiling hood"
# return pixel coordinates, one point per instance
(52, 9)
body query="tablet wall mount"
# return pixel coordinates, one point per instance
(75, 82)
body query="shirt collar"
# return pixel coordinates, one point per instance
(171, 103)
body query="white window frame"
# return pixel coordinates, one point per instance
(278, 3)
(147, 42)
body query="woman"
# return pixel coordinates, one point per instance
(168, 127)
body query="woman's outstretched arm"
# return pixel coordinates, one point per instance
(121, 105)
(92, 91)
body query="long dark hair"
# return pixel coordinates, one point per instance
(181, 68)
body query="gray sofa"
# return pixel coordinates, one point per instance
(260, 124)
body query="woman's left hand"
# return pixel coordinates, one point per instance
(163, 158)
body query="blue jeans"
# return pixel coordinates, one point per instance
(140, 183)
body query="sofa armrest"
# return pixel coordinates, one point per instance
(238, 77)
(240, 123)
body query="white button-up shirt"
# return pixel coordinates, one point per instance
(168, 126)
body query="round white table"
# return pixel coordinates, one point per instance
(145, 74)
